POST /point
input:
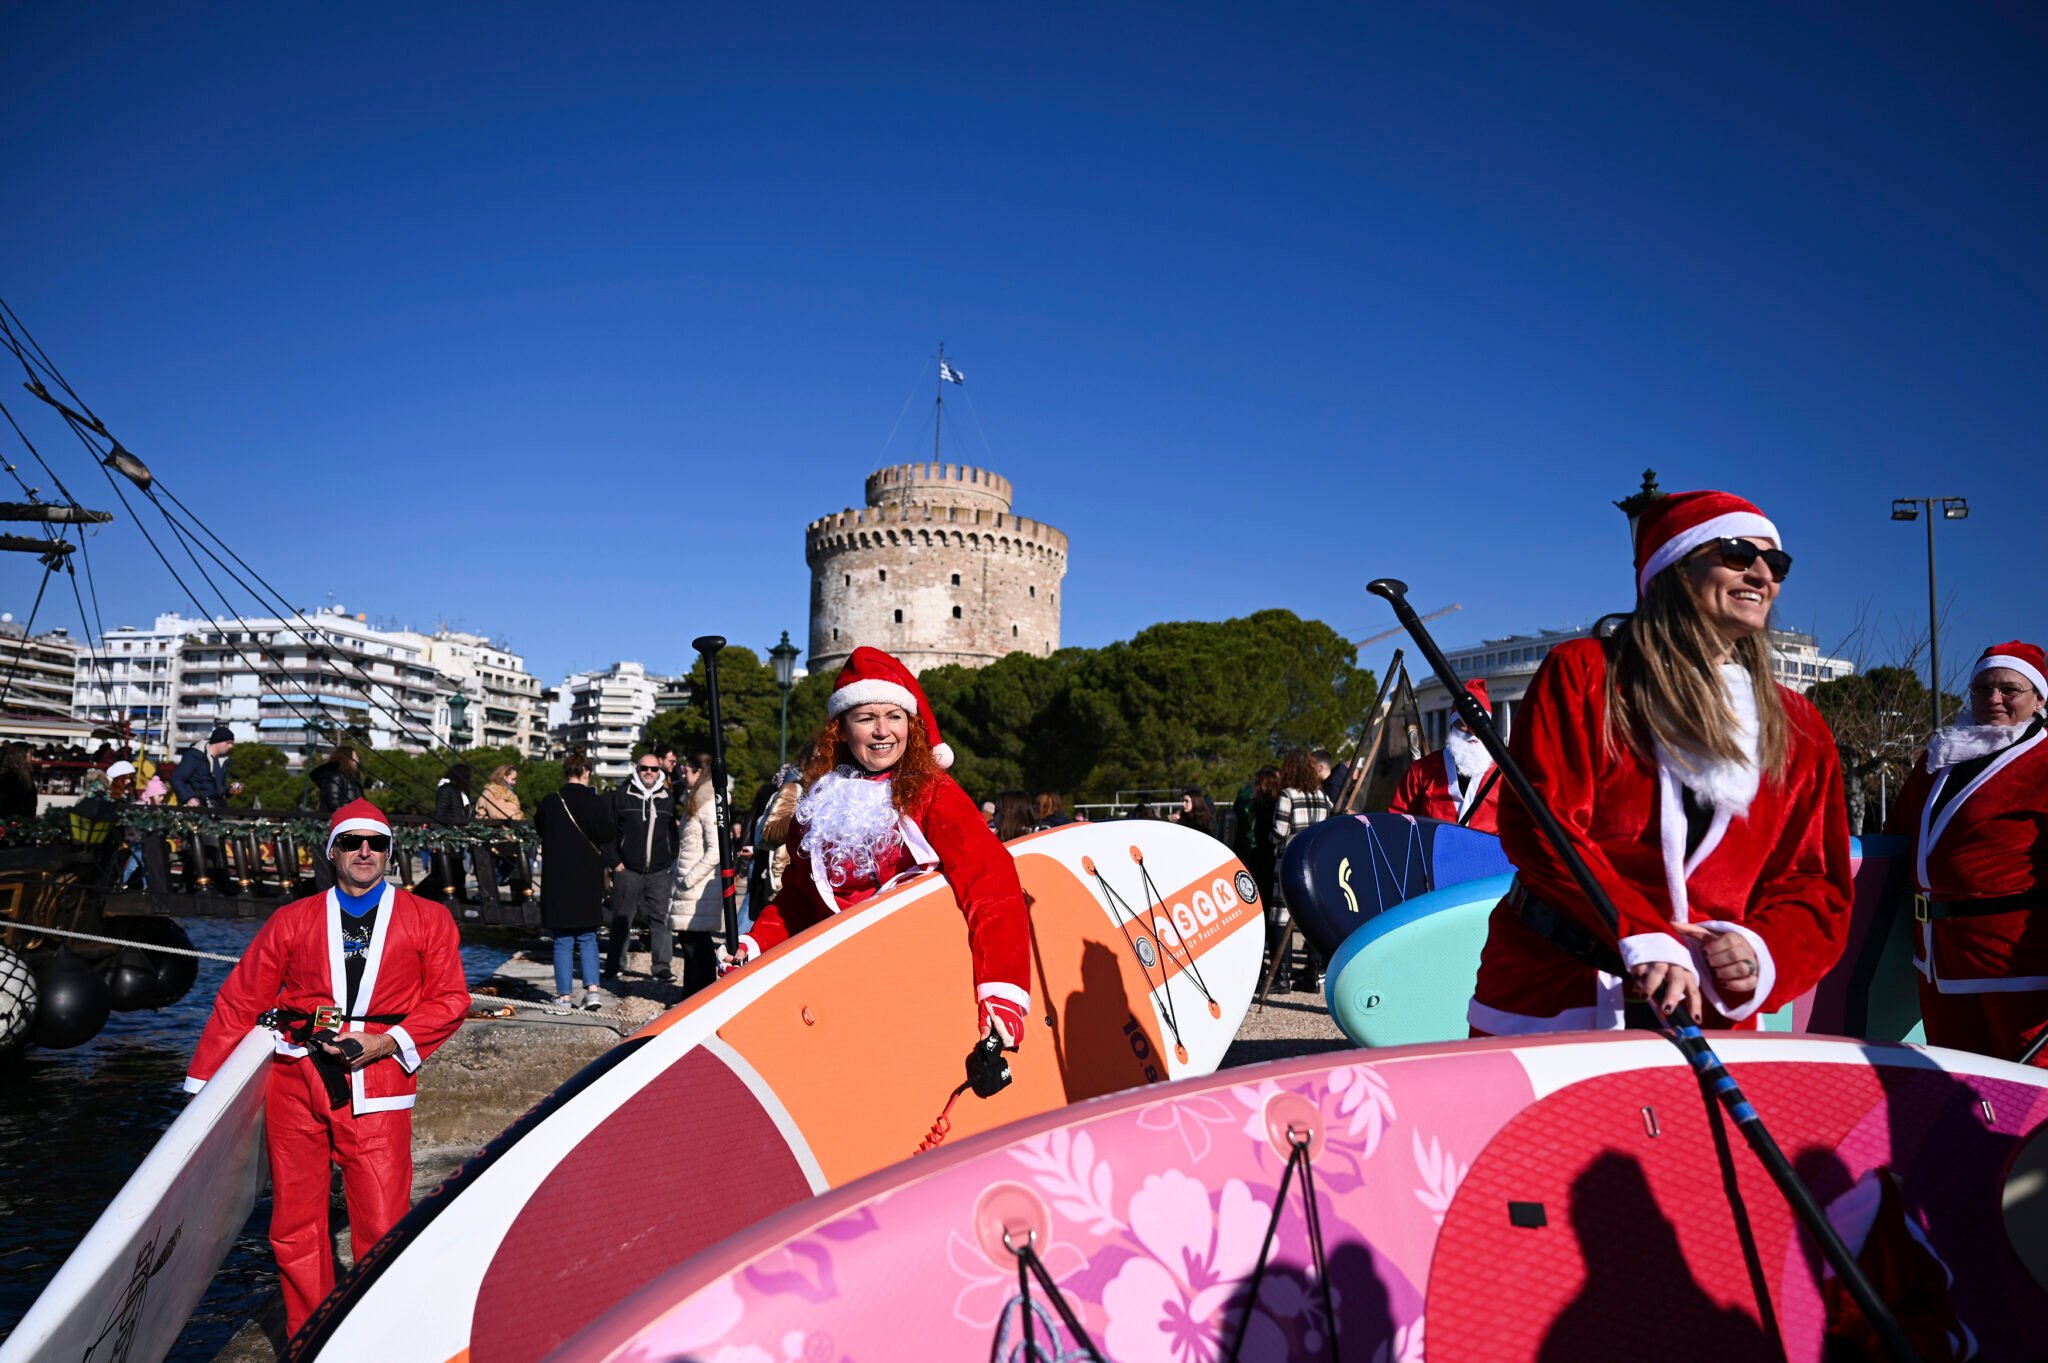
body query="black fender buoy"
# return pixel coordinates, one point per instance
(17, 1001)
(71, 1001)
(172, 975)
(131, 980)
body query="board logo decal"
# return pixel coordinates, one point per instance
(1148, 955)
(1247, 888)
(1344, 884)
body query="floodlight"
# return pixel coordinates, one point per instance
(1905, 509)
(1955, 508)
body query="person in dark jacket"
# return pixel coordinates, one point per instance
(452, 804)
(17, 782)
(452, 809)
(643, 863)
(574, 827)
(336, 781)
(201, 777)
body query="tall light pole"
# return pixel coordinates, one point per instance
(1952, 509)
(783, 656)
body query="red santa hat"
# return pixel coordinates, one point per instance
(1477, 687)
(2026, 659)
(357, 816)
(1676, 525)
(872, 677)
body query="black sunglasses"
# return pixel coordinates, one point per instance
(349, 842)
(1738, 554)
(647, 771)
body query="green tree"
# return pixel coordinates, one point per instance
(266, 781)
(750, 708)
(1879, 719)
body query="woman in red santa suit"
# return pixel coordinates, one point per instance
(1706, 799)
(371, 976)
(1458, 785)
(1976, 808)
(878, 803)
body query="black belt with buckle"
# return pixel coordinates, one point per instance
(1928, 910)
(1563, 931)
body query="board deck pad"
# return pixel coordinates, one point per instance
(1347, 870)
(823, 1061)
(1501, 1200)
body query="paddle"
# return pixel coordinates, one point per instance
(707, 646)
(1682, 1031)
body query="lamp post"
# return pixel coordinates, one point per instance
(784, 656)
(1952, 509)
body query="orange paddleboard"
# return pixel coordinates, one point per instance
(829, 1058)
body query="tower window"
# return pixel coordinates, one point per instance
(885, 574)
(835, 636)
(899, 617)
(956, 612)
(1034, 591)
(849, 579)
(1013, 631)
(956, 579)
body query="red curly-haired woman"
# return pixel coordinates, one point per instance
(878, 804)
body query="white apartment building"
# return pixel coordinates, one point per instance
(132, 678)
(38, 672)
(1509, 664)
(604, 712)
(502, 706)
(282, 682)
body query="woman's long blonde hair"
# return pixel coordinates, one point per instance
(1662, 686)
(699, 795)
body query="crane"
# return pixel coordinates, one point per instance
(1387, 633)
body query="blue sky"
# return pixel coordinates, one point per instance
(559, 322)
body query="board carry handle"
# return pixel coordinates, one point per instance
(1683, 1030)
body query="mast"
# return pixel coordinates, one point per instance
(939, 403)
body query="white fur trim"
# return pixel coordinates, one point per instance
(870, 691)
(1766, 973)
(943, 755)
(193, 1085)
(1962, 742)
(408, 1054)
(1734, 525)
(2019, 665)
(356, 825)
(997, 989)
(753, 948)
(1606, 1015)
(1644, 947)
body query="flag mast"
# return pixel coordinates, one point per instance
(939, 403)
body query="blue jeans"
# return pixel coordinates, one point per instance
(566, 942)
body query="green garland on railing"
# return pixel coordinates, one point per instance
(55, 825)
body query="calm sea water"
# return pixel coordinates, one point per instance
(75, 1124)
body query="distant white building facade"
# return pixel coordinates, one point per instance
(1509, 664)
(131, 678)
(501, 699)
(40, 672)
(604, 713)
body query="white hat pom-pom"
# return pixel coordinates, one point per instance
(943, 755)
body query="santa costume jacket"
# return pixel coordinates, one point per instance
(1989, 840)
(943, 828)
(1429, 790)
(412, 968)
(1778, 872)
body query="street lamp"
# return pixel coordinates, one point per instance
(1952, 509)
(784, 656)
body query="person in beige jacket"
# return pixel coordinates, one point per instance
(694, 901)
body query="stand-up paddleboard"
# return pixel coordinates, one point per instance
(828, 1058)
(1405, 976)
(139, 1273)
(1347, 870)
(1524, 1199)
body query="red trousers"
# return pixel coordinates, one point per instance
(306, 1137)
(2000, 1025)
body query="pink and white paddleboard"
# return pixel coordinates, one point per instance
(1555, 1198)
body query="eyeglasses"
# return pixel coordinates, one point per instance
(647, 771)
(2009, 690)
(1738, 554)
(349, 842)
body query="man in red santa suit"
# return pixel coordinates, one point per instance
(878, 804)
(1458, 785)
(371, 976)
(1706, 799)
(1976, 808)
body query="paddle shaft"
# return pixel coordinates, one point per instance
(707, 647)
(1684, 1032)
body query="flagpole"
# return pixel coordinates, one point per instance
(939, 402)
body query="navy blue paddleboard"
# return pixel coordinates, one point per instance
(1353, 867)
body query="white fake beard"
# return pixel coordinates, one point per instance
(849, 818)
(1961, 742)
(1468, 753)
(1723, 784)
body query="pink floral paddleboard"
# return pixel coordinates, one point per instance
(1498, 1200)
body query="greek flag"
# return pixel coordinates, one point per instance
(950, 374)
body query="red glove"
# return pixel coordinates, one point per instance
(739, 957)
(1005, 1018)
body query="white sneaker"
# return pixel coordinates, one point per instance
(595, 999)
(563, 1003)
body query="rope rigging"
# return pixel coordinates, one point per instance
(1298, 1157)
(1030, 1266)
